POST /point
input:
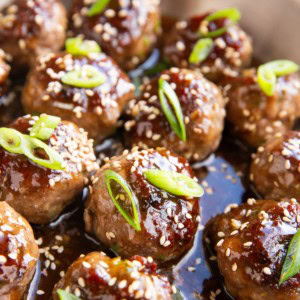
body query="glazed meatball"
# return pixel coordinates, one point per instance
(38, 193)
(29, 28)
(275, 169)
(96, 276)
(202, 106)
(97, 109)
(230, 51)
(255, 117)
(168, 222)
(126, 30)
(251, 242)
(19, 253)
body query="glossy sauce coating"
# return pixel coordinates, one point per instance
(96, 276)
(126, 30)
(168, 222)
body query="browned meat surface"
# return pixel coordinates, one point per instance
(168, 223)
(97, 109)
(202, 106)
(126, 30)
(19, 253)
(38, 193)
(251, 242)
(275, 170)
(96, 276)
(255, 117)
(29, 28)
(231, 51)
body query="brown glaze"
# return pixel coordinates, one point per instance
(19, 253)
(231, 51)
(168, 222)
(38, 193)
(251, 242)
(97, 110)
(126, 30)
(203, 109)
(96, 276)
(255, 117)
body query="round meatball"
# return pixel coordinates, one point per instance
(202, 106)
(126, 30)
(275, 169)
(97, 109)
(251, 242)
(31, 28)
(19, 253)
(168, 222)
(38, 193)
(255, 117)
(96, 276)
(230, 52)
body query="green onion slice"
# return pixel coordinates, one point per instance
(44, 127)
(267, 73)
(174, 183)
(64, 295)
(98, 7)
(78, 46)
(11, 140)
(134, 220)
(176, 121)
(291, 265)
(201, 50)
(86, 77)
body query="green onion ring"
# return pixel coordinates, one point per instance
(135, 220)
(98, 7)
(78, 46)
(11, 140)
(44, 127)
(64, 295)
(201, 50)
(176, 121)
(174, 183)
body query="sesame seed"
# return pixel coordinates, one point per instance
(267, 271)
(234, 267)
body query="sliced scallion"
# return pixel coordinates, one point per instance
(44, 127)
(201, 50)
(11, 140)
(98, 7)
(64, 295)
(78, 46)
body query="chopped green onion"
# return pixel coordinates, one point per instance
(174, 183)
(44, 127)
(86, 77)
(64, 295)
(201, 50)
(78, 46)
(176, 121)
(291, 265)
(98, 7)
(11, 140)
(267, 73)
(134, 220)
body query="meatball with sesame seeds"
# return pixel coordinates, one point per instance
(96, 109)
(29, 28)
(251, 242)
(275, 169)
(126, 30)
(229, 51)
(255, 117)
(40, 193)
(19, 253)
(96, 276)
(202, 107)
(165, 223)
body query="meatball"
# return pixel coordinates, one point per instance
(251, 242)
(275, 169)
(31, 28)
(19, 253)
(203, 111)
(255, 117)
(126, 30)
(168, 223)
(97, 109)
(96, 276)
(38, 193)
(230, 51)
